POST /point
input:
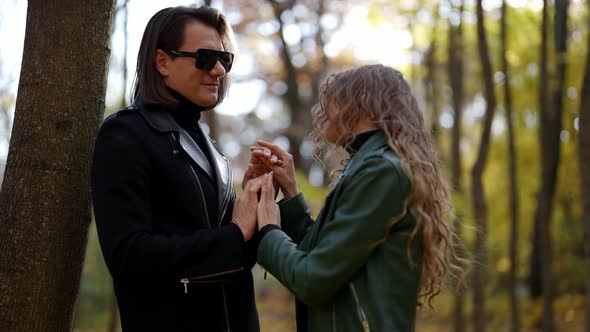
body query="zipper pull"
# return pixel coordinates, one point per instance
(185, 282)
(365, 324)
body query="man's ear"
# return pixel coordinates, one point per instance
(161, 61)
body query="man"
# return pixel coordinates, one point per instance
(178, 249)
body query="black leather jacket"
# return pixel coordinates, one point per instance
(173, 267)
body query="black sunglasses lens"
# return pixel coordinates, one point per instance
(206, 59)
(226, 60)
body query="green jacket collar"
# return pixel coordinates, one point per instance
(375, 142)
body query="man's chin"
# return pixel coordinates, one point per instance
(208, 103)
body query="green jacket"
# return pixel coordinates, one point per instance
(338, 266)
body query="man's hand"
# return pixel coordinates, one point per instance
(268, 211)
(244, 214)
(272, 157)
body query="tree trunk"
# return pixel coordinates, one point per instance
(126, 46)
(535, 277)
(477, 187)
(515, 312)
(456, 80)
(296, 130)
(45, 199)
(430, 80)
(551, 129)
(584, 158)
(210, 117)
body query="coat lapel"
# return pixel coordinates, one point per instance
(163, 122)
(192, 149)
(223, 176)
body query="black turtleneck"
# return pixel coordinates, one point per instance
(187, 115)
(359, 140)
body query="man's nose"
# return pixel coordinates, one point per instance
(218, 70)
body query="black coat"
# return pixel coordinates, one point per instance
(173, 268)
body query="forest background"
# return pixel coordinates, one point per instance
(503, 85)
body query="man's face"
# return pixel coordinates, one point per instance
(180, 73)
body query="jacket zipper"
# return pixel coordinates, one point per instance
(223, 210)
(333, 318)
(225, 308)
(225, 201)
(359, 309)
(198, 184)
(185, 281)
(198, 279)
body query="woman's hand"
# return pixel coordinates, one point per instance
(268, 211)
(282, 167)
(259, 165)
(244, 214)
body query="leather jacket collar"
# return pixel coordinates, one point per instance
(162, 121)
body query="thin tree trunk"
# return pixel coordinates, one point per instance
(477, 187)
(515, 312)
(126, 46)
(45, 199)
(550, 164)
(296, 131)
(456, 79)
(584, 158)
(210, 117)
(430, 81)
(535, 277)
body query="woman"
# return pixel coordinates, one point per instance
(382, 242)
(178, 248)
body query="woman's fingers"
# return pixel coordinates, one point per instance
(254, 185)
(261, 154)
(282, 155)
(264, 189)
(275, 149)
(270, 185)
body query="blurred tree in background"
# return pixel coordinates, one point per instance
(519, 208)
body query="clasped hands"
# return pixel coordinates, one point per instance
(270, 169)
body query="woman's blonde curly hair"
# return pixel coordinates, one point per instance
(380, 96)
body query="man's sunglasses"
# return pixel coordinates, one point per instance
(205, 59)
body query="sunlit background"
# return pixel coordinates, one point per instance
(273, 89)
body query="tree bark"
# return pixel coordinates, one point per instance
(584, 159)
(45, 198)
(456, 80)
(430, 80)
(513, 197)
(535, 277)
(210, 117)
(296, 131)
(477, 187)
(551, 124)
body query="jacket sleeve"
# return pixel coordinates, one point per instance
(121, 185)
(363, 212)
(295, 217)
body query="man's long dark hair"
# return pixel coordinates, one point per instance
(165, 31)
